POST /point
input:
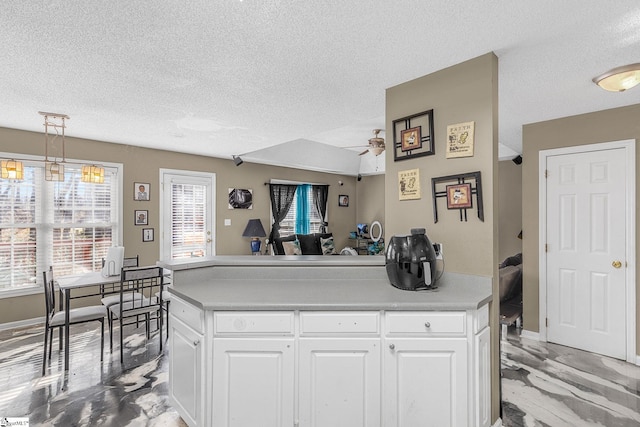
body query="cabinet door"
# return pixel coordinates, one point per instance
(253, 382)
(340, 382)
(185, 372)
(425, 382)
(482, 395)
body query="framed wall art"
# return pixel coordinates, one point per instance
(141, 217)
(343, 200)
(240, 198)
(459, 191)
(141, 191)
(409, 184)
(460, 140)
(413, 136)
(147, 234)
(459, 196)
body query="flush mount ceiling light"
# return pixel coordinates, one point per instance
(619, 79)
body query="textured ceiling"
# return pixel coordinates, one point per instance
(230, 77)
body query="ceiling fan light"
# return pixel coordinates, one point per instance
(11, 169)
(377, 150)
(619, 79)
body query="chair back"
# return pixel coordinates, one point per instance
(49, 293)
(130, 262)
(147, 281)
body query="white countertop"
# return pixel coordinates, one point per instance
(455, 292)
(273, 261)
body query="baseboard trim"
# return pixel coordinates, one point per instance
(530, 335)
(21, 323)
(498, 423)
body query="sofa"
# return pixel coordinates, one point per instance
(305, 244)
(510, 280)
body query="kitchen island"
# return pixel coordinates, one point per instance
(325, 341)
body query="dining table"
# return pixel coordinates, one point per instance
(67, 284)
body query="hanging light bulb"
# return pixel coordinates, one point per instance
(11, 169)
(93, 174)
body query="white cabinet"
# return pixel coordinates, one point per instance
(253, 382)
(425, 382)
(330, 368)
(186, 390)
(339, 382)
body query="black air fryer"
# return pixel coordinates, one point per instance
(411, 261)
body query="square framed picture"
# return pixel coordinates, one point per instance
(413, 136)
(240, 198)
(343, 200)
(459, 196)
(141, 191)
(141, 217)
(147, 234)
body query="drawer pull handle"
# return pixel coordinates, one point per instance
(427, 325)
(392, 346)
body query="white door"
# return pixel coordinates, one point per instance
(585, 252)
(339, 382)
(187, 209)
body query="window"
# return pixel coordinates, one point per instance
(69, 225)
(288, 225)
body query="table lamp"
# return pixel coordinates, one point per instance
(254, 230)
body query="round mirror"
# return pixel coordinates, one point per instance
(375, 231)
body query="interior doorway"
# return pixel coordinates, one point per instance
(187, 214)
(587, 241)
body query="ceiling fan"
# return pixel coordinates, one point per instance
(376, 144)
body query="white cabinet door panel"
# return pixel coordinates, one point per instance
(253, 382)
(340, 382)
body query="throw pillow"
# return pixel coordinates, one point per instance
(291, 248)
(328, 247)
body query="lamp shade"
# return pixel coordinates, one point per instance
(254, 229)
(11, 169)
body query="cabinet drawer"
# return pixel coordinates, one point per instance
(426, 323)
(341, 322)
(189, 314)
(235, 322)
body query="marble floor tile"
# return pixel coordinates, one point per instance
(545, 384)
(542, 384)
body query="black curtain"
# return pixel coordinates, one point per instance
(281, 200)
(321, 196)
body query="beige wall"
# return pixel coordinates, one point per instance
(142, 165)
(464, 92)
(370, 195)
(510, 200)
(602, 126)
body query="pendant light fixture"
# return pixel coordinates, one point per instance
(93, 174)
(53, 170)
(12, 169)
(619, 79)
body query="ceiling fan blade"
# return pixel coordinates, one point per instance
(364, 152)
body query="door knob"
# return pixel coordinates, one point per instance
(208, 240)
(616, 264)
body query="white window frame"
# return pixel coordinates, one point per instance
(41, 252)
